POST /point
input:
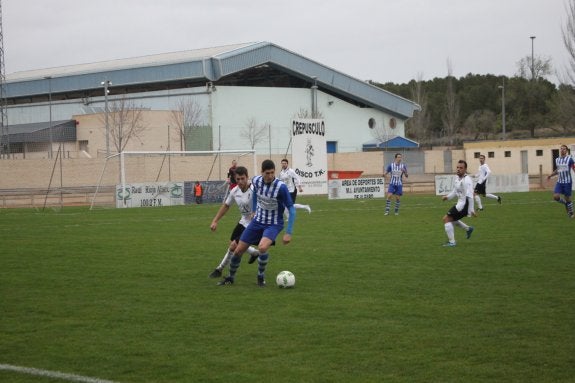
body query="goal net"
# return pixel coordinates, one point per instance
(166, 178)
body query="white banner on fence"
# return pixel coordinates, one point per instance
(357, 188)
(309, 154)
(500, 183)
(150, 194)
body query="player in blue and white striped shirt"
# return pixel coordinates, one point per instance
(563, 165)
(270, 198)
(397, 169)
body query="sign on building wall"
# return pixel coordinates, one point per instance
(151, 194)
(357, 188)
(309, 154)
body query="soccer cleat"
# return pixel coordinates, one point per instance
(226, 281)
(449, 244)
(216, 273)
(499, 200)
(253, 258)
(396, 213)
(480, 209)
(469, 232)
(386, 213)
(261, 281)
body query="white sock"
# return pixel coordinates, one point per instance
(461, 225)
(492, 196)
(252, 251)
(449, 232)
(478, 201)
(226, 260)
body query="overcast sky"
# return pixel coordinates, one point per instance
(379, 40)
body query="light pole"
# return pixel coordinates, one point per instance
(502, 87)
(532, 59)
(106, 84)
(49, 78)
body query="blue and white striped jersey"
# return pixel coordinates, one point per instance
(564, 165)
(270, 200)
(396, 171)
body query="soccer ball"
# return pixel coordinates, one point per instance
(285, 279)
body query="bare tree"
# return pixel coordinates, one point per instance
(125, 122)
(451, 113)
(253, 133)
(418, 125)
(186, 117)
(539, 67)
(568, 32)
(481, 124)
(304, 113)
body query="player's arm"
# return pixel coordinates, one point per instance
(405, 171)
(296, 180)
(221, 212)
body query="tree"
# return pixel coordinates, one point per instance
(186, 117)
(125, 122)
(536, 68)
(568, 32)
(253, 133)
(417, 127)
(481, 124)
(451, 110)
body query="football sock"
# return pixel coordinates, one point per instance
(262, 263)
(387, 205)
(478, 202)
(252, 250)
(397, 206)
(492, 196)
(449, 232)
(562, 201)
(570, 207)
(226, 260)
(461, 225)
(234, 265)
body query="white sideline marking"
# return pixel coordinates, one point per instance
(53, 374)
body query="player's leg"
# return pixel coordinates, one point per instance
(398, 194)
(568, 202)
(300, 206)
(478, 202)
(267, 239)
(493, 196)
(388, 200)
(448, 226)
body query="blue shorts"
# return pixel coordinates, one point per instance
(256, 231)
(395, 189)
(564, 189)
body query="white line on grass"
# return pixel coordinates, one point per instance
(53, 374)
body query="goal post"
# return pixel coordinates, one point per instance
(164, 178)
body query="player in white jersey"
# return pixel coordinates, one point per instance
(563, 165)
(270, 199)
(293, 183)
(241, 194)
(397, 169)
(481, 176)
(461, 208)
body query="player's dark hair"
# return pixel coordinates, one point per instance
(241, 171)
(268, 165)
(397, 154)
(463, 162)
(285, 160)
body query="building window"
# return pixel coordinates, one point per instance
(507, 153)
(476, 155)
(392, 123)
(371, 123)
(490, 154)
(539, 153)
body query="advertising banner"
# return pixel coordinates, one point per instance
(309, 154)
(357, 188)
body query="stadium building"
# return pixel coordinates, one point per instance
(227, 97)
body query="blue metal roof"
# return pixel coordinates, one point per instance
(396, 142)
(210, 64)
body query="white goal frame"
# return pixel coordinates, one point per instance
(123, 154)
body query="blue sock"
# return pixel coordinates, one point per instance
(262, 263)
(234, 265)
(397, 206)
(387, 205)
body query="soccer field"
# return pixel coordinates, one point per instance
(123, 295)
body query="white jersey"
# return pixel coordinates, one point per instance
(483, 173)
(244, 202)
(290, 178)
(460, 187)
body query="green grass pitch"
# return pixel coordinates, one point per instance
(123, 295)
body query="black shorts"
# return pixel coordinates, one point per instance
(237, 233)
(457, 215)
(480, 188)
(293, 195)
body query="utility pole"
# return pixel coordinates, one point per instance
(4, 134)
(532, 59)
